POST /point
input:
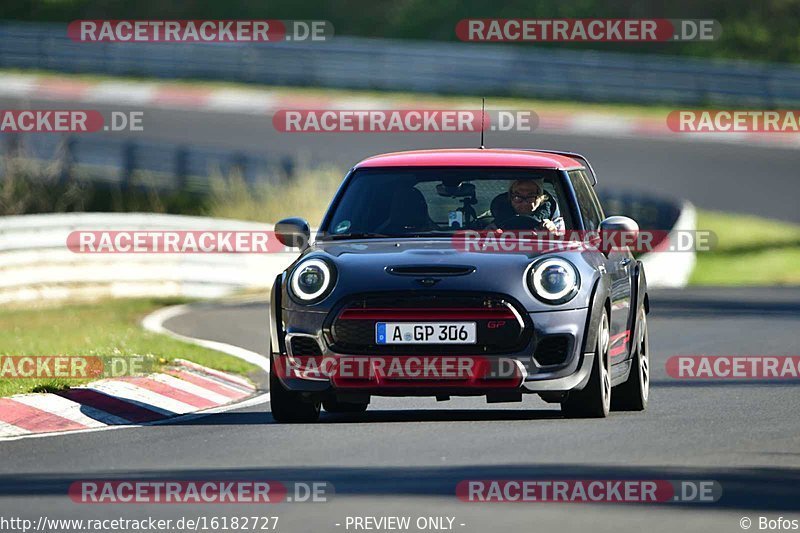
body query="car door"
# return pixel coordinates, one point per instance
(618, 264)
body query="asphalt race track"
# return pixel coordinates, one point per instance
(758, 180)
(405, 457)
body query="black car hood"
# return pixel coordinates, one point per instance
(372, 265)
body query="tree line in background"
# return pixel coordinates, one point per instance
(766, 30)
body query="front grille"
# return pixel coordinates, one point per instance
(552, 350)
(305, 347)
(500, 327)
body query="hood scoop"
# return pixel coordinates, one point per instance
(430, 270)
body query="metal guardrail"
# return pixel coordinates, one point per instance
(127, 163)
(36, 265)
(442, 67)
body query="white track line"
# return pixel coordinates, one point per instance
(82, 414)
(242, 101)
(191, 388)
(231, 380)
(12, 431)
(155, 322)
(18, 86)
(218, 382)
(144, 397)
(121, 92)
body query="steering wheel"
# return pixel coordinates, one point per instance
(481, 222)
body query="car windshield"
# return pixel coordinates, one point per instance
(411, 202)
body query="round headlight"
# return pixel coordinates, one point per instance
(311, 279)
(554, 280)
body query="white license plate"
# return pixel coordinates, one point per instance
(426, 333)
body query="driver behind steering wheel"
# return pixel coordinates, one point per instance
(528, 199)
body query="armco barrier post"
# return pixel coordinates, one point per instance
(181, 167)
(66, 159)
(128, 163)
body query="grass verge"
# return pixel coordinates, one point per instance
(307, 195)
(749, 251)
(105, 328)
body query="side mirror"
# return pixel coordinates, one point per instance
(293, 232)
(618, 232)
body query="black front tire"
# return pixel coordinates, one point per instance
(594, 400)
(289, 407)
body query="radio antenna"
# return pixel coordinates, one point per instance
(483, 114)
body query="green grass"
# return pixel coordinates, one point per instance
(749, 251)
(105, 328)
(307, 195)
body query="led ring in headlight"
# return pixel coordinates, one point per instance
(554, 280)
(311, 279)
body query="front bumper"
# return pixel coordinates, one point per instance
(531, 376)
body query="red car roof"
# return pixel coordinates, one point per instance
(471, 157)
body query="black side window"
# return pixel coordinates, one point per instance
(587, 201)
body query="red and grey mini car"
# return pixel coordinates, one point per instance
(447, 273)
